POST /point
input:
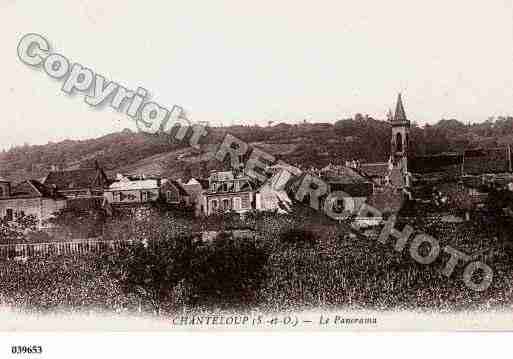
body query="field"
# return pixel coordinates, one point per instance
(295, 262)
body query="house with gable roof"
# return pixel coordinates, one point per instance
(78, 183)
(29, 197)
(228, 191)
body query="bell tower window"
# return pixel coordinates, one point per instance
(399, 142)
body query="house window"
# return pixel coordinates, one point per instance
(227, 204)
(339, 206)
(172, 196)
(213, 204)
(146, 196)
(245, 201)
(8, 214)
(236, 203)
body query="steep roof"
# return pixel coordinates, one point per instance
(32, 189)
(400, 114)
(178, 186)
(76, 179)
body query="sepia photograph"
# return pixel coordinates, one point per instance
(255, 166)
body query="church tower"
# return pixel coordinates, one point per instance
(400, 134)
(400, 144)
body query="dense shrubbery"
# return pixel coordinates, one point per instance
(61, 283)
(227, 274)
(21, 230)
(152, 269)
(166, 270)
(298, 236)
(75, 223)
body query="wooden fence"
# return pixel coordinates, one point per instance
(76, 247)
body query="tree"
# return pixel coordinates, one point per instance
(461, 200)
(80, 223)
(16, 231)
(228, 273)
(153, 269)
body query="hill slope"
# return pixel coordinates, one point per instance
(304, 144)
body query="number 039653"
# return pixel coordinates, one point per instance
(26, 349)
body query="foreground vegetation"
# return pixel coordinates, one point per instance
(286, 262)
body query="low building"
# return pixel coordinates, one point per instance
(129, 190)
(29, 198)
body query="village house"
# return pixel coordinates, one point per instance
(29, 198)
(229, 192)
(174, 193)
(138, 191)
(195, 189)
(130, 190)
(272, 195)
(78, 183)
(356, 187)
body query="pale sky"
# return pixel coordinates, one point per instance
(251, 62)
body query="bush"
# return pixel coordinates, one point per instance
(298, 236)
(226, 274)
(152, 270)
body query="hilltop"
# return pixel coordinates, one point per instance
(305, 144)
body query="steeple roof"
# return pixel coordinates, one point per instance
(400, 115)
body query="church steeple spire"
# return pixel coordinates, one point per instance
(400, 114)
(400, 144)
(400, 129)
